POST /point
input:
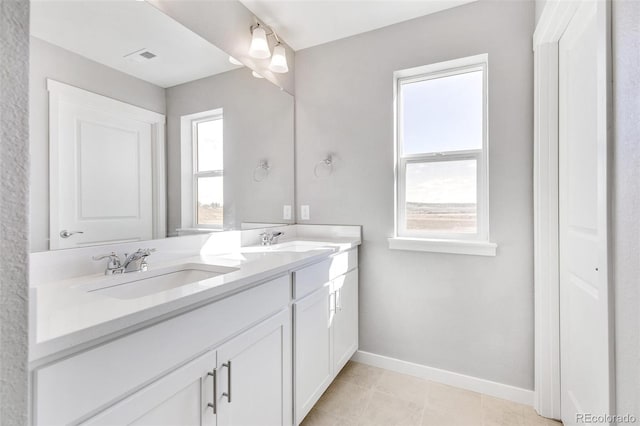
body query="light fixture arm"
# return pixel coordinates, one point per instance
(268, 30)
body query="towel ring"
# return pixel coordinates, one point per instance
(261, 172)
(324, 168)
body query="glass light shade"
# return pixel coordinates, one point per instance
(259, 46)
(256, 75)
(279, 60)
(234, 61)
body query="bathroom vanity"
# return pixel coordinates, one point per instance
(152, 133)
(254, 340)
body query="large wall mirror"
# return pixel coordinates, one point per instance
(142, 129)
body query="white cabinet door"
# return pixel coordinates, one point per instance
(313, 362)
(254, 376)
(181, 398)
(345, 324)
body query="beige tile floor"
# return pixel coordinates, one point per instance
(363, 395)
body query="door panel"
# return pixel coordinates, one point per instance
(180, 398)
(314, 315)
(345, 326)
(101, 170)
(254, 377)
(584, 292)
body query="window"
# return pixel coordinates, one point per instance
(442, 166)
(203, 170)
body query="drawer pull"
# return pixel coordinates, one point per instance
(228, 394)
(214, 405)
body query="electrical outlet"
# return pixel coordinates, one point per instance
(286, 212)
(304, 212)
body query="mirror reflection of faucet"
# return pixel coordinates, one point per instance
(269, 238)
(134, 262)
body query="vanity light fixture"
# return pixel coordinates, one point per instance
(259, 48)
(256, 75)
(259, 45)
(279, 59)
(234, 61)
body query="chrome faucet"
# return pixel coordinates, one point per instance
(134, 262)
(268, 238)
(137, 262)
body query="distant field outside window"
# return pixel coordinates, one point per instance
(441, 143)
(441, 197)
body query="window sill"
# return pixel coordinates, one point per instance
(475, 248)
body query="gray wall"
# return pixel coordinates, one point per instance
(626, 206)
(468, 314)
(540, 4)
(50, 61)
(14, 187)
(258, 125)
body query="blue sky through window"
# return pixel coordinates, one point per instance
(442, 114)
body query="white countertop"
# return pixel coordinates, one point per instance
(68, 317)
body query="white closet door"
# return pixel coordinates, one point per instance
(101, 169)
(585, 327)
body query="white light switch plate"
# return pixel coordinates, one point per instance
(304, 212)
(286, 212)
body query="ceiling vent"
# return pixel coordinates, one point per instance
(141, 55)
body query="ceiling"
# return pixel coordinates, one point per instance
(306, 23)
(107, 31)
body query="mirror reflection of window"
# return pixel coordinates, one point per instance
(208, 171)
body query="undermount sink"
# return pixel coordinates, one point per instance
(140, 284)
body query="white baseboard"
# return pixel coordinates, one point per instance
(487, 387)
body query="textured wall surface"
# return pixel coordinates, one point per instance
(467, 314)
(258, 125)
(626, 195)
(50, 61)
(14, 184)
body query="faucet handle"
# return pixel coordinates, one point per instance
(114, 259)
(265, 238)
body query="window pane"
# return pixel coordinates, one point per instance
(441, 197)
(442, 114)
(209, 143)
(210, 200)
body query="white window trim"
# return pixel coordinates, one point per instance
(188, 176)
(473, 244)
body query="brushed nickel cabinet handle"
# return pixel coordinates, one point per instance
(214, 405)
(228, 394)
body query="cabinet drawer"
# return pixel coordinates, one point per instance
(70, 390)
(313, 277)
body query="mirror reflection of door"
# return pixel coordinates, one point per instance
(101, 168)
